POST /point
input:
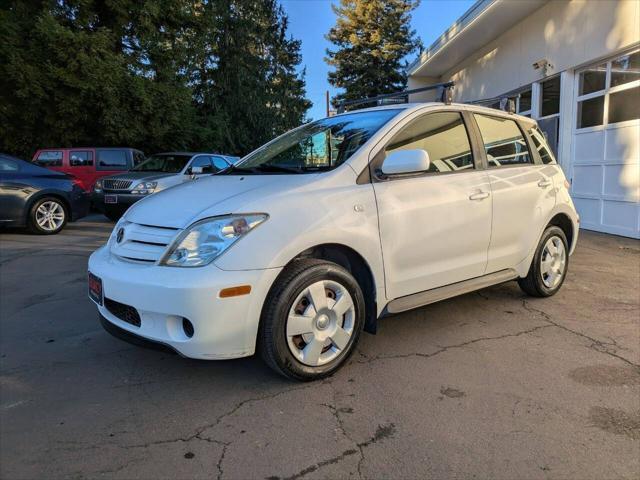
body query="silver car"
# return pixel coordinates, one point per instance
(114, 194)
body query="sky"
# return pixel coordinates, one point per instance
(310, 20)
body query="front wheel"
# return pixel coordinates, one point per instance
(549, 265)
(47, 216)
(312, 320)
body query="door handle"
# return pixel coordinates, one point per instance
(544, 183)
(479, 196)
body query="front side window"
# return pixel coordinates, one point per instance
(443, 136)
(203, 162)
(80, 158)
(138, 157)
(540, 142)
(317, 146)
(50, 158)
(112, 159)
(503, 141)
(8, 165)
(164, 163)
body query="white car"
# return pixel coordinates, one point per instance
(314, 236)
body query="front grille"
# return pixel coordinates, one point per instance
(126, 313)
(114, 184)
(143, 243)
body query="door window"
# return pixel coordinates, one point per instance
(112, 160)
(219, 163)
(443, 136)
(540, 142)
(7, 165)
(80, 159)
(204, 162)
(138, 157)
(50, 158)
(503, 142)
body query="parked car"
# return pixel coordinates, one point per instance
(38, 198)
(114, 194)
(88, 164)
(311, 238)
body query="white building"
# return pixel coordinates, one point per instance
(574, 66)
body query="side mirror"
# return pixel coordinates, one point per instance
(196, 170)
(406, 161)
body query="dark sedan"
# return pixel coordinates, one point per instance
(40, 199)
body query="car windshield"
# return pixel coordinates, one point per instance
(163, 163)
(317, 146)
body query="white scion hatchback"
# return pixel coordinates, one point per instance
(312, 237)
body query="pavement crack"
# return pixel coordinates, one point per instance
(220, 460)
(597, 345)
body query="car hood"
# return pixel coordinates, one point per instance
(146, 176)
(180, 206)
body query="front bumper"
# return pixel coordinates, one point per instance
(223, 327)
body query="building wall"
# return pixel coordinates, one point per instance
(568, 33)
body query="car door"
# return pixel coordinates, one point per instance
(81, 166)
(522, 191)
(435, 227)
(14, 191)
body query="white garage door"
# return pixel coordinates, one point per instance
(606, 147)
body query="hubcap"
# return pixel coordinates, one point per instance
(50, 216)
(320, 323)
(552, 262)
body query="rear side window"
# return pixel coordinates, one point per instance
(503, 142)
(50, 158)
(80, 158)
(112, 160)
(443, 136)
(7, 165)
(540, 142)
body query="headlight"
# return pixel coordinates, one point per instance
(144, 188)
(97, 186)
(207, 239)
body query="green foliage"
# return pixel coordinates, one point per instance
(154, 74)
(372, 40)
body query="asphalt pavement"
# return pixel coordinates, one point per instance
(492, 384)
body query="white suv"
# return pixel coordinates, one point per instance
(314, 236)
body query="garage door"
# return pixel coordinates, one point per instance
(606, 148)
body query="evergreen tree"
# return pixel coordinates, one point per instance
(372, 40)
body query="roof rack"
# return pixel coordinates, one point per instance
(447, 95)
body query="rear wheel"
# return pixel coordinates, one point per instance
(549, 265)
(47, 216)
(312, 320)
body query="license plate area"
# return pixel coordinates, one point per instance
(110, 199)
(95, 288)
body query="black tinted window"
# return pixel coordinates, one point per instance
(112, 159)
(503, 141)
(51, 158)
(80, 158)
(442, 135)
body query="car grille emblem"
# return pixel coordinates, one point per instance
(120, 235)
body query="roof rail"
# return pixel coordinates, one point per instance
(447, 95)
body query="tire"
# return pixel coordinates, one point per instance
(113, 214)
(548, 269)
(317, 343)
(47, 216)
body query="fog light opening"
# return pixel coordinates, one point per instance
(187, 327)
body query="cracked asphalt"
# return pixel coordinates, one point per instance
(488, 385)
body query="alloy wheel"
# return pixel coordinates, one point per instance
(50, 216)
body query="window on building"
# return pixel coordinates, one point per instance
(524, 102)
(592, 80)
(625, 69)
(503, 142)
(616, 87)
(624, 105)
(50, 158)
(112, 159)
(550, 101)
(443, 136)
(80, 159)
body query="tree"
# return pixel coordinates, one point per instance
(372, 40)
(153, 74)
